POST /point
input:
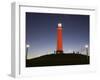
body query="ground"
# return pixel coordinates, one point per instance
(57, 60)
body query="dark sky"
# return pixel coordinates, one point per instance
(41, 31)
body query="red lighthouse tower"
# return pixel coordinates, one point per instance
(59, 49)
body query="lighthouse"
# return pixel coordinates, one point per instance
(59, 49)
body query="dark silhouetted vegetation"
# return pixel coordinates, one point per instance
(57, 60)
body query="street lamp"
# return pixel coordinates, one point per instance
(86, 47)
(27, 46)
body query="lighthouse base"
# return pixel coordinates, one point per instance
(59, 52)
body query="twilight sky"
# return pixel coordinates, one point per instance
(41, 32)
